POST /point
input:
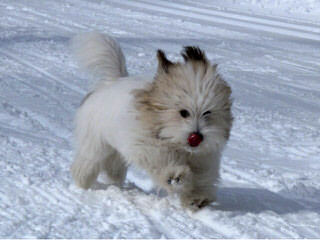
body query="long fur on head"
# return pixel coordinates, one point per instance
(193, 85)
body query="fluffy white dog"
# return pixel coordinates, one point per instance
(174, 124)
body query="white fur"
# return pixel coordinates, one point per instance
(109, 135)
(101, 55)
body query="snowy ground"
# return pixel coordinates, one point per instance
(271, 168)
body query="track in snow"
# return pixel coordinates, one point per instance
(270, 174)
(228, 19)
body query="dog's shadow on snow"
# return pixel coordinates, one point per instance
(254, 200)
(242, 200)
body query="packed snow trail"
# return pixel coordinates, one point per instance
(270, 185)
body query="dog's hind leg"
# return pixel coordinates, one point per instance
(87, 163)
(115, 168)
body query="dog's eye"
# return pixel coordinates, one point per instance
(184, 113)
(207, 113)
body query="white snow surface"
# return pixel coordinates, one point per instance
(270, 186)
(306, 9)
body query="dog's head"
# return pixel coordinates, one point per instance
(188, 105)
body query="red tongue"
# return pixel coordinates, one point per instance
(195, 139)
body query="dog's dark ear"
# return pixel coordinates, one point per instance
(163, 62)
(190, 53)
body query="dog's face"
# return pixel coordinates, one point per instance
(187, 106)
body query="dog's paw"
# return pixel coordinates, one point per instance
(178, 179)
(196, 201)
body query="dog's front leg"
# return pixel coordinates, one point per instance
(204, 185)
(175, 178)
(198, 197)
(168, 169)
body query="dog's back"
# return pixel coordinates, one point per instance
(101, 55)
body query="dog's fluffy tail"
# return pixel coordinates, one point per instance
(101, 55)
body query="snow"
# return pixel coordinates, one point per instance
(267, 50)
(289, 9)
